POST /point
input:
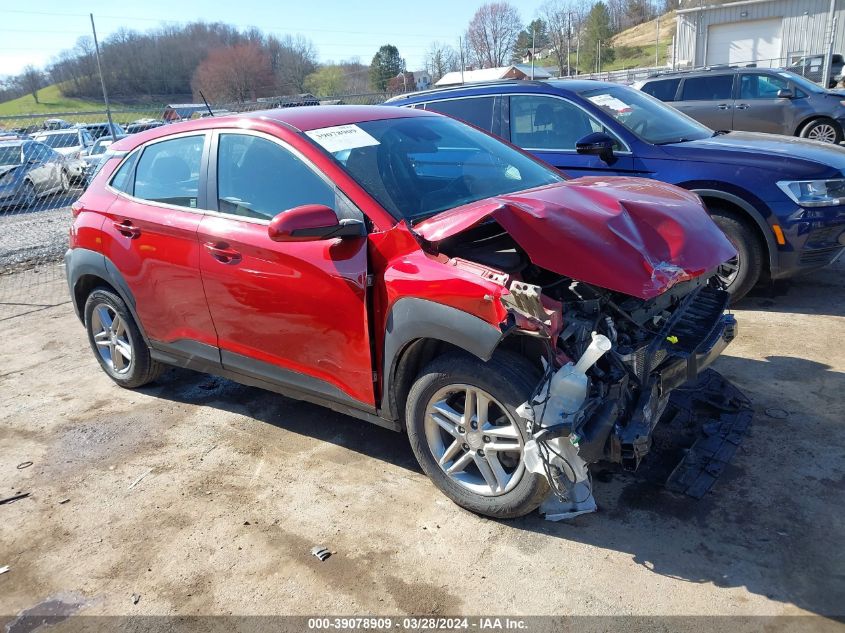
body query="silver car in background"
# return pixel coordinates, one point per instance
(71, 143)
(28, 171)
(96, 153)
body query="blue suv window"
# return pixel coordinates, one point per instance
(477, 111)
(539, 122)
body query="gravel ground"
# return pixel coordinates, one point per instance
(37, 235)
(200, 496)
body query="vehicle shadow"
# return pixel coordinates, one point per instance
(819, 292)
(772, 523)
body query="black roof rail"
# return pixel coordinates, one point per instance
(471, 84)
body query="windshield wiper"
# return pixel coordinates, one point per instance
(673, 141)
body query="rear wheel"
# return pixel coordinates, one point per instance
(465, 432)
(741, 273)
(824, 129)
(65, 181)
(117, 341)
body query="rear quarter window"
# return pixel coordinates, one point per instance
(477, 111)
(664, 89)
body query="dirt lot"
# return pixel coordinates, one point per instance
(241, 484)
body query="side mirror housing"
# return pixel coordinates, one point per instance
(598, 144)
(785, 93)
(312, 222)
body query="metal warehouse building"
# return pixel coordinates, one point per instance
(769, 33)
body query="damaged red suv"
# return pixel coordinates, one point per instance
(404, 268)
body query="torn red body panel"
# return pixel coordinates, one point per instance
(630, 235)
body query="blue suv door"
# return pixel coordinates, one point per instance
(550, 126)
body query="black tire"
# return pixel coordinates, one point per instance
(65, 179)
(140, 369)
(750, 253)
(820, 130)
(510, 379)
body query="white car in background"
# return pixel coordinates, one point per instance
(73, 144)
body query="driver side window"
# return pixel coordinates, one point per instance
(257, 178)
(539, 122)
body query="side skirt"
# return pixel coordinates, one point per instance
(207, 359)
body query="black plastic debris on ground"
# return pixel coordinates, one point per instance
(698, 435)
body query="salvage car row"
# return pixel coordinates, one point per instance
(420, 274)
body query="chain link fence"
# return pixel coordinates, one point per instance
(45, 161)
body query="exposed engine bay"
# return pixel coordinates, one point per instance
(610, 360)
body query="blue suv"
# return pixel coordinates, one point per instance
(780, 200)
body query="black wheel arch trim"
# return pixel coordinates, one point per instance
(753, 214)
(80, 262)
(411, 319)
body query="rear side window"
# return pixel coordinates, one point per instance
(478, 111)
(169, 171)
(122, 179)
(707, 88)
(665, 89)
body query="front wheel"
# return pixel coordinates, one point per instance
(825, 130)
(467, 437)
(741, 273)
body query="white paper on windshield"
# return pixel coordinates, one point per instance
(341, 137)
(613, 103)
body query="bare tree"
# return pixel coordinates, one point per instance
(563, 19)
(31, 80)
(235, 73)
(292, 58)
(441, 59)
(492, 33)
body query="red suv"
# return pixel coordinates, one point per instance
(407, 269)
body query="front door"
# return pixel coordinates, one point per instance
(549, 128)
(757, 107)
(150, 235)
(290, 313)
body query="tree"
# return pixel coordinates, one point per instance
(235, 73)
(596, 48)
(441, 59)
(492, 34)
(31, 81)
(564, 19)
(386, 64)
(531, 39)
(292, 60)
(325, 81)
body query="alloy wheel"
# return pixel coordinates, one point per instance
(112, 338)
(474, 440)
(823, 132)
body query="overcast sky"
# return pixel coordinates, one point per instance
(33, 33)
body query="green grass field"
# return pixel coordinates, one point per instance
(50, 100)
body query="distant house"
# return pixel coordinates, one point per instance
(403, 82)
(422, 79)
(181, 111)
(537, 53)
(516, 71)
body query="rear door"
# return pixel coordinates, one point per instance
(757, 107)
(549, 127)
(150, 235)
(708, 99)
(291, 313)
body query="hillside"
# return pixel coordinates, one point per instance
(50, 100)
(634, 47)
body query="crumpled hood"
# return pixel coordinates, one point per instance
(631, 235)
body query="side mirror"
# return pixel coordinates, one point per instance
(312, 222)
(598, 144)
(785, 93)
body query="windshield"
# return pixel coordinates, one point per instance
(418, 166)
(650, 119)
(11, 155)
(71, 139)
(801, 82)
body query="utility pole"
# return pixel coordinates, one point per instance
(461, 49)
(598, 57)
(568, 44)
(533, 40)
(657, 42)
(102, 79)
(831, 25)
(578, 52)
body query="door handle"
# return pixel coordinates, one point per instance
(125, 228)
(723, 106)
(222, 253)
(743, 106)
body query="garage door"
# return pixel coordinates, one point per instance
(744, 42)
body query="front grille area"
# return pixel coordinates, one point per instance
(824, 237)
(821, 256)
(698, 319)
